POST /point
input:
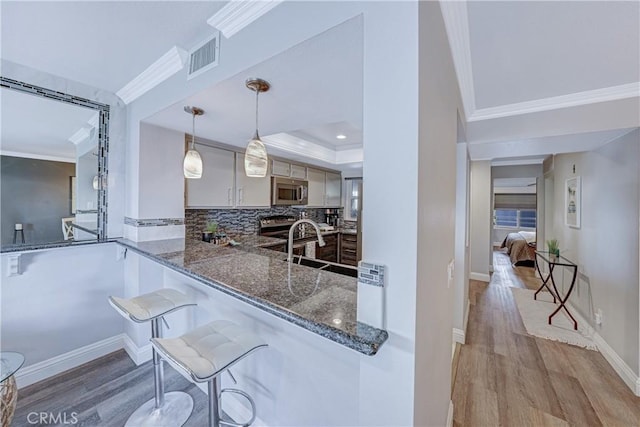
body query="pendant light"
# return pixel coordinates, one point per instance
(192, 165)
(255, 157)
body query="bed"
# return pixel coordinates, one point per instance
(521, 247)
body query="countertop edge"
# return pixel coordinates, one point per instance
(366, 347)
(54, 245)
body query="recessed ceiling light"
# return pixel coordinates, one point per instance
(341, 136)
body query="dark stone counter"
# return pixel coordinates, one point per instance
(322, 302)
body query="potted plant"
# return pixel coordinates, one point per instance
(554, 250)
(211, 229)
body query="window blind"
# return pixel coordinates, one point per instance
(514, 201)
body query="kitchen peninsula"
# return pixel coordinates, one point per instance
(317, 300)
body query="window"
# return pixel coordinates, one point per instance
(352, 205)
(515, 218)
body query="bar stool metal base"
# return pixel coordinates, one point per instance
(175, 412)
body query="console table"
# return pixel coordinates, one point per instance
(552, 261)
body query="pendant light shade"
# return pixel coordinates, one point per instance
(256, 161)
(192, 165)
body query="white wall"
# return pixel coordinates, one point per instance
(59, 301)
(160, 181)
(481, 222)
(461, 276)
(606, 246)
(438, 108)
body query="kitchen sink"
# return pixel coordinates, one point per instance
(325, 265)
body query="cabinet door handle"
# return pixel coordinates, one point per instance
(229, 196)
(240, 194)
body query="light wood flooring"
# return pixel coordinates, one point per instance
(505, 377)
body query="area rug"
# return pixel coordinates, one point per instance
(535, 316)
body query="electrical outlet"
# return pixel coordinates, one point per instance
(599, 316)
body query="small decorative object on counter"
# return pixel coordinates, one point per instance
(210, 231)
(552, 244)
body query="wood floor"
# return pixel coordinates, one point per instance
(103, 392)
(505, 377)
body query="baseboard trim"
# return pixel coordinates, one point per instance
(450, 415)
(458, 335)
(623, 370)
(47, 368)
(483, 277)
(139, 355)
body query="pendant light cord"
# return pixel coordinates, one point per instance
(257, 97)
(193, 132)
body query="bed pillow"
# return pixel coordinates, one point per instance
(529, 236)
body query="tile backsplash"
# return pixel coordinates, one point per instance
(239, 220)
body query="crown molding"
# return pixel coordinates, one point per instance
(237, 14)
(80, 135)
(456, 22)
(25, 155)
(168, 64)
(293, 144)
(612, 93)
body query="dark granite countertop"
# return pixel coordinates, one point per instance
(322, 302)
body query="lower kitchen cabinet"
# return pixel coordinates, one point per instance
(348, 249)
(328, 252)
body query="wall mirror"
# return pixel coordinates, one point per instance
(53, 170)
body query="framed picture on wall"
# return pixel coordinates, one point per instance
(572, 202)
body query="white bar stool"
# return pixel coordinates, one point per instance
(170, 409)
(205, 353)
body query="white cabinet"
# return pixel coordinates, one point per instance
(251, 192)
(298, 172)
(316, 193)
(279, 168)
(325, 188)
(215, 188)
(333, 190)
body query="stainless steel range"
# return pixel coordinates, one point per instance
(276, 226)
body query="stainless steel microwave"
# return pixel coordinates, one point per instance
(287, 191)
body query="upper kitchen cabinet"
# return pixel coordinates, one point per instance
(325, 188)
(251, 192)
(215, 188)
(224, 183)
(333, 190)
(280, 168)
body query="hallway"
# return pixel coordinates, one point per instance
(506, 377)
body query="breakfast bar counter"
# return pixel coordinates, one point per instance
(319, 301)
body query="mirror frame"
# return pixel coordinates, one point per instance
(103, 138)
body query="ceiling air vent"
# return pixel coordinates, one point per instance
(204, 56)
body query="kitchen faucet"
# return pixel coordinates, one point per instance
(293, 229)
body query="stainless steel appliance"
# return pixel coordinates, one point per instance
(332, 217)
(287, 191)
(276, 226)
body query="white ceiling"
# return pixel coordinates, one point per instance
(316, 94)
(104, 44)
(528, 50)
(37, 127)
(536, 77)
